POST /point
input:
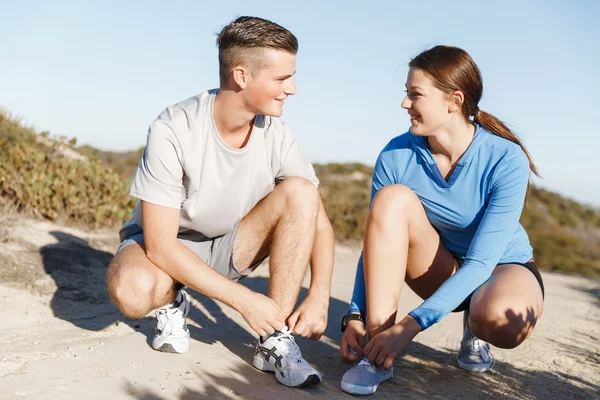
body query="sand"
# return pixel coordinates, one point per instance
(61, 338)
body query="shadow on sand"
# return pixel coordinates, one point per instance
(79, 272)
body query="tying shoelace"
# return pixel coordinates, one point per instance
(364, 362)
(286, 338)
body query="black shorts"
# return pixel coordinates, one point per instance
(530, 265)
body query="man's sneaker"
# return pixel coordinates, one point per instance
(474, 354)
(365, 377)
(172, 334)
(279, 353)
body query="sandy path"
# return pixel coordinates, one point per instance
(61, 338)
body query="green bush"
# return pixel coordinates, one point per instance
(38, 178)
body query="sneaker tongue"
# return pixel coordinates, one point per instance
(364, 362)
(474, 346)
(292, 350)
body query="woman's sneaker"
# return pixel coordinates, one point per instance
(365, 377)
(280, 354)
(474, 354)
(172, 334)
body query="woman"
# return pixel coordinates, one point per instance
(444, 218)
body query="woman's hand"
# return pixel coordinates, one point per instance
(387, 345)
(353, 342)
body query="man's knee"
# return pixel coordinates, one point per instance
(300, 193)
(130, 288)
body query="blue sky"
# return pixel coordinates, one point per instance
(102, 71)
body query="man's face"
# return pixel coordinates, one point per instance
(270, 85)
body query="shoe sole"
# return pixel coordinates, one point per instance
(167, 348)
(171, 347)
(260, 364)
(363, 390)
(476, 367)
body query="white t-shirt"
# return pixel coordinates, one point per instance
(187, 165)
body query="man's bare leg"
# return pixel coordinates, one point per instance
(284, 222)
(136, 285)
(282, 225)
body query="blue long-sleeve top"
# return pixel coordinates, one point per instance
(476, 212)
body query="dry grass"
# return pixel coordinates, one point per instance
(8, 217)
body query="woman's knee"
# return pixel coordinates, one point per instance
(505, 309)
(393, 200)
(501, 326)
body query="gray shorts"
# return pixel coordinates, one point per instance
(216, 252)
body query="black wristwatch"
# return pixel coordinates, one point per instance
(351, 317)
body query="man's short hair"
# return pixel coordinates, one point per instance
(242, 41)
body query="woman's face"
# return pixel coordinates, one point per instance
(428, 107)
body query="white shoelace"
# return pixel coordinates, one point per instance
(477, 346)
(364, 362)
(292, 351)
(170, 321)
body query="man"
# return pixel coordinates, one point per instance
(223, 184)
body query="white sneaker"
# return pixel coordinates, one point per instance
(172, 334)
(279, 353)
(474, 355)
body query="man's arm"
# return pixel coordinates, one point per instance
(161, 225)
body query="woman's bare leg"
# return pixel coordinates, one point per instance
(400, 245)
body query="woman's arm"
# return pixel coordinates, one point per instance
(497, 226)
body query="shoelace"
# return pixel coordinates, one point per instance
(479, 347)
(364, 362)
(476, 346)
(289, 343)
(166, 317)
(163, 320)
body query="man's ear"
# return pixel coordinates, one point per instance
(456, 100)
(240, 76)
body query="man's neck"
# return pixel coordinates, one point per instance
(233, 120)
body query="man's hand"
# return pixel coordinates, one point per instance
(387, 345)
(353, 339)
(261, 313)
(310, 318)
